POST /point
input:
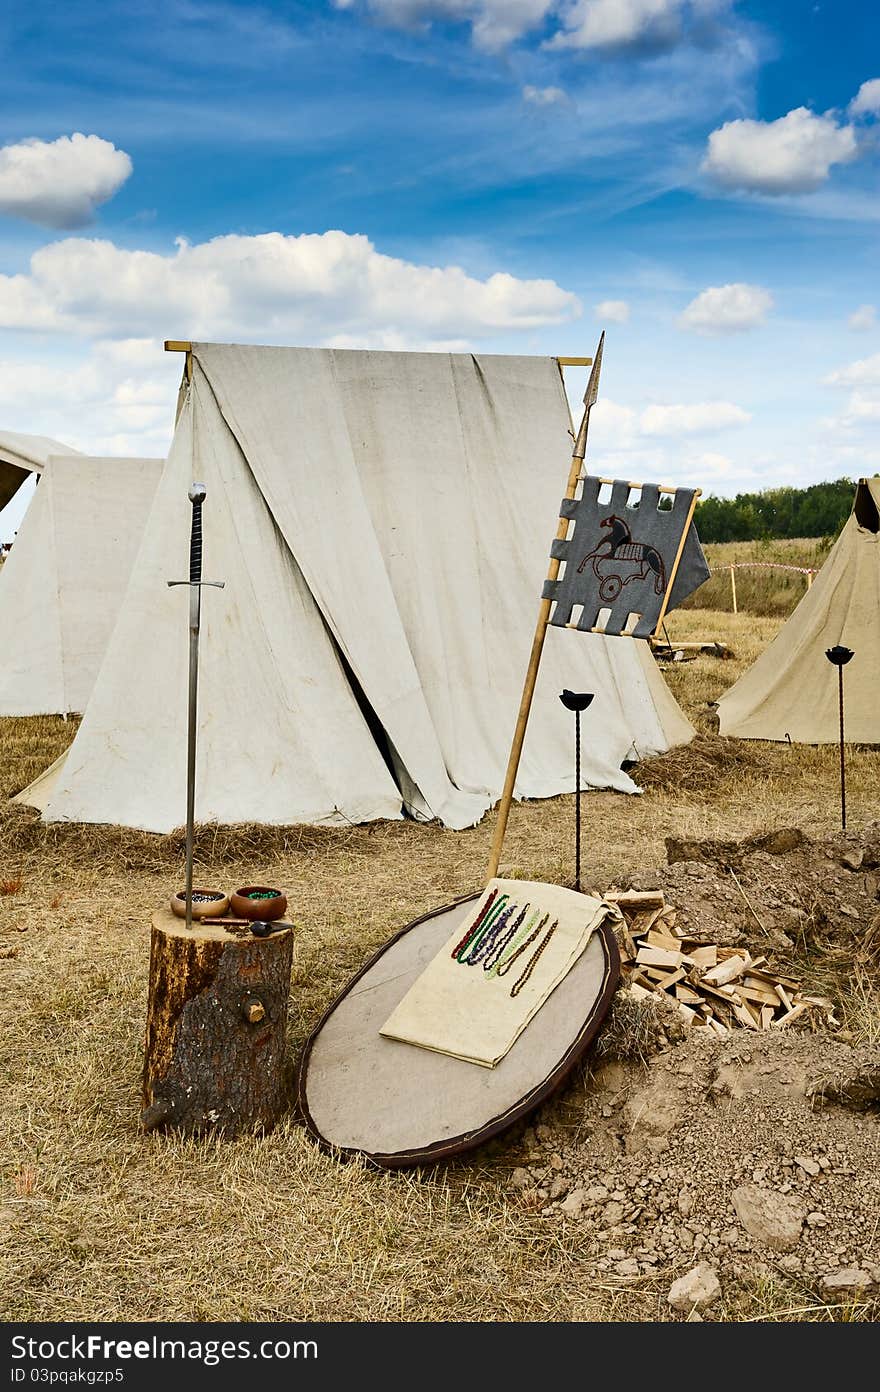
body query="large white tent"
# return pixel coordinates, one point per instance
(382, 522)
(61, 587)
(21, 456)
(790, 693)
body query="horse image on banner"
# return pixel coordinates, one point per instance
(628, 559)
(618, 559)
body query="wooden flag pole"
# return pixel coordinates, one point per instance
(525, 704)
(675, 564)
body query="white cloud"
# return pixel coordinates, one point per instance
(494, 23)
(864, 372)
(791, 155)
(712, 466)
(604, 25)
(865, 317)
(616, 24)
(544, 96)
(857, 418)
(621, 447)
(615, 311)
(624, 427)
(722, 309)
(862, 408)
(695, 418)
(60, 183)
(500, 22)
(117, 399)
(866, 102)
(612, 425)
(270, 287)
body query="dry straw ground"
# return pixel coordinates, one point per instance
(99, 1222)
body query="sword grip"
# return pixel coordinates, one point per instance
(196, 497)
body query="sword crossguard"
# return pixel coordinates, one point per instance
(217, 584)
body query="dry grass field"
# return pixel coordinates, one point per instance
(98, 1222)
(759, 589)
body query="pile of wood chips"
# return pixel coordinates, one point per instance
(716, 988)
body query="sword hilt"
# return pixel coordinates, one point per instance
(197, 497)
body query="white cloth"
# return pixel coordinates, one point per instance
(63, 582)
(386, 516)
(22, 455)
(281, 738)
(476, 1009)
(791, 691)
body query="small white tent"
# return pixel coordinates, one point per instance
(61, 587)
(791, 691)
(382, 522)
(21, 456)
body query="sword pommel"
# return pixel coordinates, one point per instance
(197, 493)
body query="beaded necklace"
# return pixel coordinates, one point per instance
(502, 941)
(476, 923)
(480, 946)
(476, 936)
(520, 983)
(512, 942)
(508, 962)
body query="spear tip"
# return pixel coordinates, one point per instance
(591, 395)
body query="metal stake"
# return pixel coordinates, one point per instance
(577, 702)
(839, 657)
(842, 761)
(196, 496)
(577, 801)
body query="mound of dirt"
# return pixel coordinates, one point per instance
(755, 1155)
(780, 891)
(687, 1155)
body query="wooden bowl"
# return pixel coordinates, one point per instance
(209, 908)
(258, 909)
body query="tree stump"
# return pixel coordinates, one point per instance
(215, 1040)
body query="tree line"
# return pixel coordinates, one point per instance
(817, 511)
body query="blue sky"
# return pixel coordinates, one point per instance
(698, 177)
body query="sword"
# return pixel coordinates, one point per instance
(196, 496)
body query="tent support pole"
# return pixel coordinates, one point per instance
(525, 704)
(177, 345)
(698, 492)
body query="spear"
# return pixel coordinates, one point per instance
(577, 460)
(196, 496)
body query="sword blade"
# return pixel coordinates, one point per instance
(196, 497)
(192, 718)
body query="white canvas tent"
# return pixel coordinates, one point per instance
(61, 587)
(382, 522)
(21, 456)
(791, 691)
